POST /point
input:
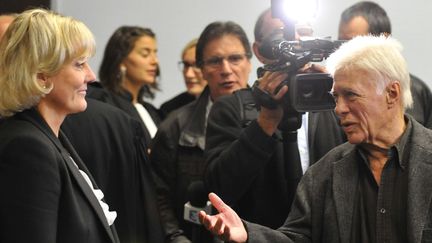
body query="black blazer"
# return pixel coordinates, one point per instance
(112, 145)
(44, 198)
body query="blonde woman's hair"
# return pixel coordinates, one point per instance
(188, 46)
(38, 42)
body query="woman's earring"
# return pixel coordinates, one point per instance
(123, 70)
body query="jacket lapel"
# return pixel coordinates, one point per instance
(193, 133)
(345, 178)
(85, 187)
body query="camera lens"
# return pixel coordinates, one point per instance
(307, 90)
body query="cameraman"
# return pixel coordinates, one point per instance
(246, 164)
(366, 17)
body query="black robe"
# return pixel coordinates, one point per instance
(112, 145)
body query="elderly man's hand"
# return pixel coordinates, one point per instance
(227, 225)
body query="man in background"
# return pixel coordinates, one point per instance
(367, 17)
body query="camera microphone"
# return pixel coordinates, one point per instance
(198, 201)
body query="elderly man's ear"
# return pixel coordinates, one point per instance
(393, 94)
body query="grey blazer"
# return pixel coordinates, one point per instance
(323, 208)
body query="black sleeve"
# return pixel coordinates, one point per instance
(30, 188)
(422, 97)
(298, 226)
(163, 159)
(234, 155)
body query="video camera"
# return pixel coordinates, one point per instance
(307, 91)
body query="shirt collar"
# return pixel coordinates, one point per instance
(400, 147)
(399, 151)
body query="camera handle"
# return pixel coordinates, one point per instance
(291, 120)
(263, 98)
(292, 161)
(289, 125)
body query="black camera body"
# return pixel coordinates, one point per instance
(310, 92)
(307, 91)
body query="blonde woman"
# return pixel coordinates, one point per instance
(48, 195)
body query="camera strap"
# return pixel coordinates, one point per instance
(262, 98)
(248, 107)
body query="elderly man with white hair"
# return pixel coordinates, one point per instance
(375, 188)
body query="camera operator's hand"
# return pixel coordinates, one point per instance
(269, 119)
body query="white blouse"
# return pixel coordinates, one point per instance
(147, 119)
(110, 215)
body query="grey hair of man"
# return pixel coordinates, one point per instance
(380, 57)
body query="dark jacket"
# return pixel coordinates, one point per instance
(123, 101)
(323, 209)
(422, 97)
(178, 159)
(246, 167)
(112, 145)
(44, 198)
(175, 103)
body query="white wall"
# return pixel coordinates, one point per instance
(175, 22)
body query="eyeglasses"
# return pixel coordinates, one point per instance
(233, 59)
(183, 66)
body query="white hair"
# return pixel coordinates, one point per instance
(380, 57)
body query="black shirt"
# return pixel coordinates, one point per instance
(380, 211)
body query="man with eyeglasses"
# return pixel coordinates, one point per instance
(195, 83)
(247, 165)
(223, 54)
